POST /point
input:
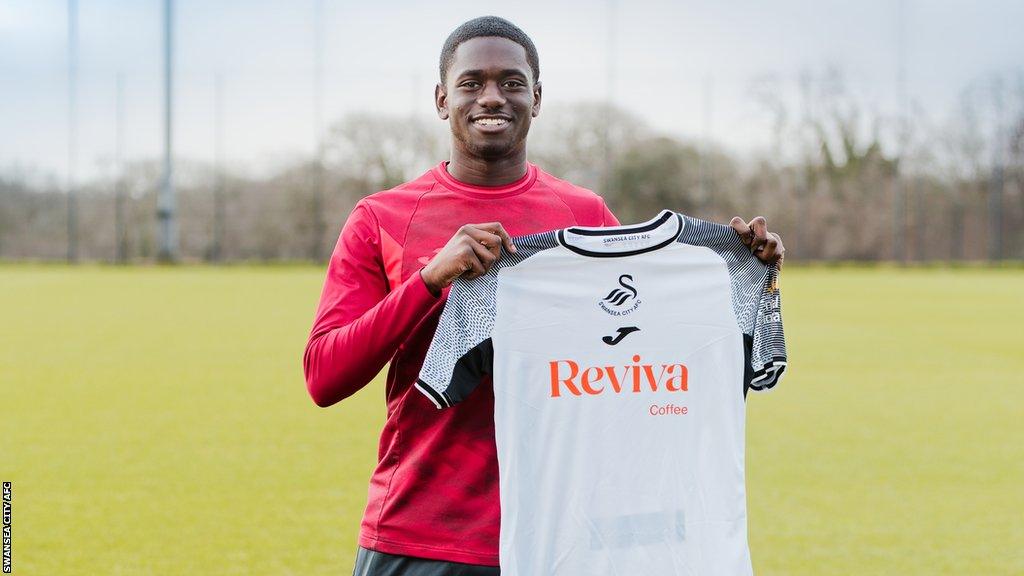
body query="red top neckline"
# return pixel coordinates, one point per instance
(511, 189)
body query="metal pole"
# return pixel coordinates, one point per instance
(606, 172)
(120, 229)
(319, 224)
(72, 216)
(918, 192)
(219, 208)
(995, 193)
(803, 245)
(705, 167)
(956, 224)
(166, 203)
(900, 197)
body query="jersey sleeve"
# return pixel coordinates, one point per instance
(766, 343)
(461, 353)
(755, 297)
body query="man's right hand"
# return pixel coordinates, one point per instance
(469, 253)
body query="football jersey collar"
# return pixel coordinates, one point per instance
(620, 241)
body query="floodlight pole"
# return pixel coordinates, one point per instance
(219, 208)
(606, 172)
(72, 200)
(120, 196)
(995, 193)
(900, 197)
(166, 203)
(704, 167)
(319, 223)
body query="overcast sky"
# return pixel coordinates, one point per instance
(686, 67)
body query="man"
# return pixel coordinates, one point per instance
(433, 498)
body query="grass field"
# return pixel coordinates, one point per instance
(155, 421)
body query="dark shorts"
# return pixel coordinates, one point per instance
(373, 563)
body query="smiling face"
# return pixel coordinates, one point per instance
(489, 98)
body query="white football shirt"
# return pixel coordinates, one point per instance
(620, 358)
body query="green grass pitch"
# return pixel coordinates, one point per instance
(155, 421)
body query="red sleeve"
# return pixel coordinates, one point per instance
(608, 219)
(359, 324)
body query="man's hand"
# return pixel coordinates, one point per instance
(767, 246)
(469, 253)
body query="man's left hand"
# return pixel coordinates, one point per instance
(767, 246)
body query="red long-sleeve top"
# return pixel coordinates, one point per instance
(434, 492)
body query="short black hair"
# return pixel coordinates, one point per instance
(488, 26)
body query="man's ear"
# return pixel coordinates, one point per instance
(441, 102)
(535, 110)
